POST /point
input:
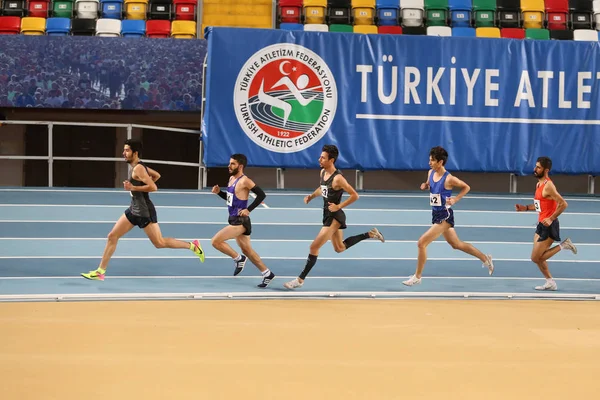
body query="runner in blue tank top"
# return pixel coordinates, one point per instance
(440, 184)
(141, 212)
(240, 227)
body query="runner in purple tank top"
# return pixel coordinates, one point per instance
(240, 227)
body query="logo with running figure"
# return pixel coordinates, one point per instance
(285, 98)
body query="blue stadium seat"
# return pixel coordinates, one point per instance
(133, 28)
(112, 9)
(291, 27)
(463, 32)
(387, 12)
(58, 26)
(460, 13)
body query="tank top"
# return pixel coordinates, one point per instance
(544, 207)
(233, 203)
(330, 195)
(141, 205)
(438, 192)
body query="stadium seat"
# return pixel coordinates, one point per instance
(436, 12)
(538, 34)
(533, 13)
(14, 8)
(183, 30)
(133, 28)
(158, 28)
(58, 26)
(293, 27)
(487, 32)
(10, 25)
(83, 27)
(561, 35)
(62, 9)
(463, 32)
(38, 8)
(512, 33)
(159, 9)
(338, 12)
(136, 9)
(316, 28)
(388, 12)
(363, 12)
(314, 11)
(556, 14)
(108, 27)
(484, 13)
(508, 13)
(34, 26)
(367, 29)
(340, 28)
(414, 30)
(290, 11)
(111, 9)
(588, 35)
(411, 12)
(390, 30)
(596, 8)
(439, 31)
(87, 9)
(460, 13)
(185, 10)
(581, 12)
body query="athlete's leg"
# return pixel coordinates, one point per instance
(122, 226)
(340, 245)
(155, 235)
(244, 242)
(453, 240)
(538, 254)
(432, 234)
(227, 233)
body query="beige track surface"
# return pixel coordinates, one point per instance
(300, 349)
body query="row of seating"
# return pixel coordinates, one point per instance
(92, 9)
(102, 27)
(488, 32)
(551, 14)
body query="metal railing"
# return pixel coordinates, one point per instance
(202, 173)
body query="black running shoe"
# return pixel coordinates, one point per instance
(266, 280)
(239, 265)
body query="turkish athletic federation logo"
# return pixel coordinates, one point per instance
(285, 98)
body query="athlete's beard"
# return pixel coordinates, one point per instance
(234, 172)
(536, 174)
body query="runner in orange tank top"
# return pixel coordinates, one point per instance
(549, 204)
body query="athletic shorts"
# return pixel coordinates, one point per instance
(545, 232)
(339, 216)
(244, 221)
(439, 216)
(140, 222)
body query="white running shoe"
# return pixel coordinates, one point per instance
(568, 245)
(549, 285)
(377, 235)
(412, 280)
(293, 284)
(489, 264)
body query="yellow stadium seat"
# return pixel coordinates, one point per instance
(314, 11)
(363, 16)
(487, 32)
(533, 13)
(364, 4)
(365, 29)
(136, 9)
(34, 26)
(183, 29)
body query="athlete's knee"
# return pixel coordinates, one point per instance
(455, 245)
(113, 237)
(215, 242)
(314, 248)
(159, 243)
(422, 243)
(536, 258)
(339, 248)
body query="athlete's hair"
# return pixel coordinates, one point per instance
(545, 162)
(438, 153)
(135, 145)
(332, 151)
(240, 158)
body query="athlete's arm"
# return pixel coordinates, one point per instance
(551, 192)
(313, 195)
(260, 196)
(425, 185)
(153, 174)
(216, 190)
(340, 182)
(526, 207)
(143, 176)
(455, 182)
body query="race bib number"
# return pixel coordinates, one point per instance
(538, 206)
(229, 199)
(435, 199)
(324, 190)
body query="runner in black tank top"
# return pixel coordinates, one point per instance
(331, 188)
(141, 212)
